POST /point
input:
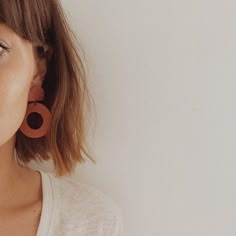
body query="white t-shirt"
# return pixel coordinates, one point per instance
(71, 208)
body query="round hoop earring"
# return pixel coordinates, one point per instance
(36, 94)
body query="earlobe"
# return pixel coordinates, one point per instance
(42, 67)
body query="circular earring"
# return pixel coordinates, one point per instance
(33, 108)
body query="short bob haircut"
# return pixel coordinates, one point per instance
(65, 84)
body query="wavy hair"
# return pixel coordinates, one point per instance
(66, 91)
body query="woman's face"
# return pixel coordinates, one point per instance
(18, 69)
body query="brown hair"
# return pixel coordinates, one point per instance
(66, 91)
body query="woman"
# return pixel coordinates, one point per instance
(43, 103)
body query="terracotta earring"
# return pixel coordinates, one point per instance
(36, 94)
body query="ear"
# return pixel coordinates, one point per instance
(42, 58)
(41, 70)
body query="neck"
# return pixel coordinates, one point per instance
(13, 177)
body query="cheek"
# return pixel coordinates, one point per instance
(14, 88)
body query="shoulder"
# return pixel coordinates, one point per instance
(88, 206)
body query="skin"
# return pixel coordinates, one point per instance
(20, 69)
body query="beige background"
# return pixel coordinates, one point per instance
(163, 76)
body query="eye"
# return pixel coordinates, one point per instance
(3, 48)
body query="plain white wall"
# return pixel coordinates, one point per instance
(162, 74)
